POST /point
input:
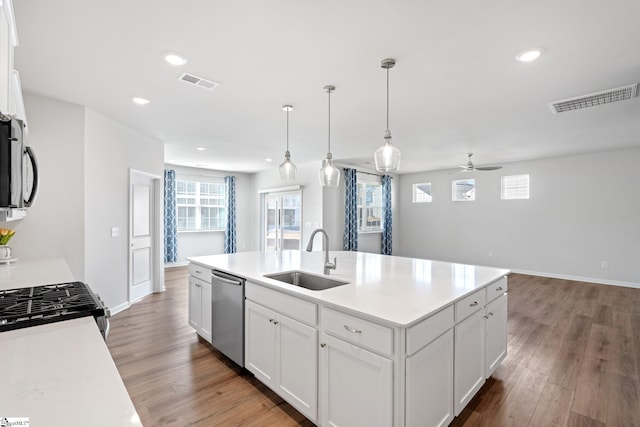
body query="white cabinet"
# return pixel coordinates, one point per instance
(469, 360)
(200, 307)
(429, 395)
(282, 353)
(496, 319)
(356, 385)
(8, 41)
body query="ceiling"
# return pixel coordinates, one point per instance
(456, 86)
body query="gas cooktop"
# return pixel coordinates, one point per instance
(23, 307)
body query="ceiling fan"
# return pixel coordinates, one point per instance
(470, 167)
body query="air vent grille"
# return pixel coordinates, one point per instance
(197, 81)
(593, 99)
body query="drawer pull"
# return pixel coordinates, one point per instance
(499, 289)
(355, 331)
(323, 345)
(473, 304)
(198, 271)
(270, 320)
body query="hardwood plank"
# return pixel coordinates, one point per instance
(578, 420)
(623, 401)
(592, 389)
(553, 407)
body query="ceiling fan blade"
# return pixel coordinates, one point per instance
(488, 168)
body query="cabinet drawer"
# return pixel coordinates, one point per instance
(200, 272)
(470, 304)
(357, 330)
(295, 308)
(496, 289)
(429, 329)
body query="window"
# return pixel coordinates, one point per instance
(369, 206)
(201, 206)
(515, 187)
(463, 190)
(422, 193)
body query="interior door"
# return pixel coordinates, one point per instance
(141, 237)
(282, 221)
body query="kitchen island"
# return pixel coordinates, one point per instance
(59, 374)
(406, 342)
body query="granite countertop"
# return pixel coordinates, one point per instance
(59, 374)
(395, 290)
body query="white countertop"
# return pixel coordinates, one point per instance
(59, 374)
(396, 290)
(22, 274)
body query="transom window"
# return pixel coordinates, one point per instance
(201, 206)
(422, 193)
(463, 190)
(369, 206)
(515, 187)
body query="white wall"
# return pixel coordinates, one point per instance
(212, 242)
(582, 210)
(312, 211)
(111, 150)
(54, 226)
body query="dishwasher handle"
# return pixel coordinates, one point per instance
(227, 281)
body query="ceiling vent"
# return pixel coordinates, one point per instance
(593, 99)
(197, 81)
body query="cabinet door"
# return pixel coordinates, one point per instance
(260, 342)
(205, 311)
(356, 386)
(496, 333)
(297, 373)
(430, 384)
(195, 305)
(469, 365)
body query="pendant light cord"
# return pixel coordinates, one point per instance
(329, 135)
(287, 130)
(387, 98)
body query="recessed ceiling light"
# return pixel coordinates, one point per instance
(201, 148)
(174, 59)
(140, 100)
(529, 55)
(268, 160)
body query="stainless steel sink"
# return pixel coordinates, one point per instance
(306, 280)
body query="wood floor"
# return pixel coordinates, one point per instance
(573, 360)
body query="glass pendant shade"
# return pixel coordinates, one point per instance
(287, 168)
(387, 157)
(329, 174)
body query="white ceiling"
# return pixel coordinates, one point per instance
(455, 88)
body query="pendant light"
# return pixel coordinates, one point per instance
(387, 157)
(287, 168)
(329, 174)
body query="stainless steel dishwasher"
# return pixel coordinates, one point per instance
(227, 315)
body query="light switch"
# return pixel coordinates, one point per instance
(115, 232)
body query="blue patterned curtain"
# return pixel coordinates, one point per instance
(386, 215)
(350, 237)
(170, 217)
(230, 230)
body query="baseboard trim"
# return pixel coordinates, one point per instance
(176, 264)
(579, 278)
(118, 308)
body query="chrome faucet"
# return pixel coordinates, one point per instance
(328, 265)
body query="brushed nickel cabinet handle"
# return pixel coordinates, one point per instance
(473, 304)
(355, 331)
(499, 289)
(323, 345)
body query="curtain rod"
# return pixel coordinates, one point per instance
(370, 173)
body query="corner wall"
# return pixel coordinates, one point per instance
(582, 210)
(54, 225)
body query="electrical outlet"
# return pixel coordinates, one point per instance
(490, 254)
(115, 232)
(604, 264)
